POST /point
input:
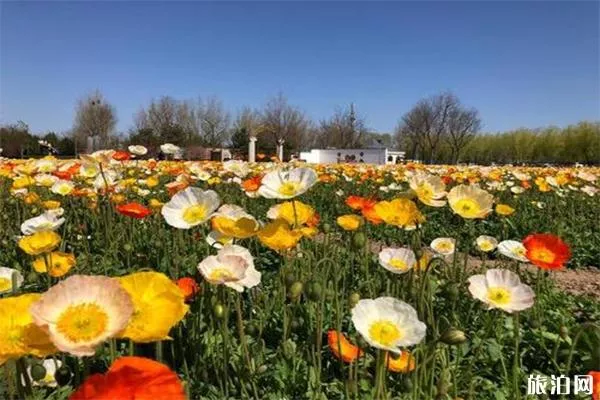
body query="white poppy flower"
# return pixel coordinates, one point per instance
(443, 245)
(501, 288)
(190, 207)
(397, 261)
(233, 266)
(47, 221)
(388, 323)
(281, 184)
(513, 249)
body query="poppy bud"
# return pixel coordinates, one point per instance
(38, 372)
(359, 240)
(296, 290)
(314, 291)
(289, 349)
(353, 299)
(289, 279)
(63, 376)
(326, 228)
(564, 332)
(219, 310)
(453, 337)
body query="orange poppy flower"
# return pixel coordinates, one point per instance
(314, 220)
(355, 202)
(134, 210)
(132, 378)
(121, 155)
(368, 211)
(547, 251)
(252, 184)
(595, 384)
(66, 175)
(174, 187)
(404, 364)
(189, 287)
(341, 347)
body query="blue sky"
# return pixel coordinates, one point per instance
(520, 63)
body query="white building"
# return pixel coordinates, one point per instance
(367, 156)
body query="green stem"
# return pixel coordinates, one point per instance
(516, 364)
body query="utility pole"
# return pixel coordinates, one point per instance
(352, 120)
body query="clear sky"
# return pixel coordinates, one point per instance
(520, 63)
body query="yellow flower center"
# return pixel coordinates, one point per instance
(5, 284)
(543, 255)
(194, 214)
(498, 296)
(398, 264)
(221, 275)
(486, 245)
(444, 246)
(424, 192)
(289, 188)
(519, 251)
(384, 332)
(64, 189)
(467, 207)
(83, 322)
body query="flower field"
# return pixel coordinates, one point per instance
(128, 278)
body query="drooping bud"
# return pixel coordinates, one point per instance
(453, 337)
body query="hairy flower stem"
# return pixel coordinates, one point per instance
(516, 364)
(242, 335)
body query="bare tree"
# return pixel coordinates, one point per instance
(282, 122)
(342, 130)
(463, 124)
(248, 120)
(212, 122)
(168, 120)
(94, 116)
(435, 120)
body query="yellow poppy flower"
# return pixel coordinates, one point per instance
(349, 222)
(39, 242)
(301, 215)
(31, 198)
(152, 181)
(60, 263)
(504, 209)
(232, 221)
(158, 305)
(51, 204)
(22, 182)
(400, 212)
(277, 235)
(19, 336)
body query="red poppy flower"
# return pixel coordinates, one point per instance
(188, 287)
(132, 378)
(595, 384)
(341, 347)
(134, 210)
(547, 251)
(121, 155)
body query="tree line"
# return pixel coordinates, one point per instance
(437, 129)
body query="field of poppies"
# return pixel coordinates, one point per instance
(122, 277)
